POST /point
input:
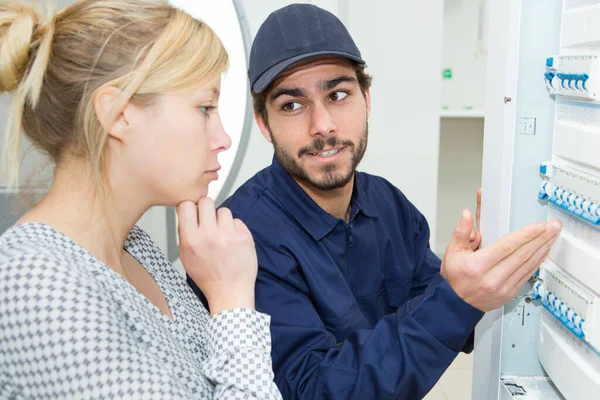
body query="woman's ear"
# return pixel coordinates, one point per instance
(104, 105)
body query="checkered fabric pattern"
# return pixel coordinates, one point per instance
(71, 327)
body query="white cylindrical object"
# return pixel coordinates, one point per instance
(562, 307)
(570, 314)
(572, 199)
(586, 205)
(573, 84)
(556, 83)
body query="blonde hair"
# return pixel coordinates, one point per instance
(55, 64)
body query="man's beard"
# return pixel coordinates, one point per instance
(331, 177)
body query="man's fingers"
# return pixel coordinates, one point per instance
(524, 261)
(475, 243)
(540, 259)
(462, 233)
(507, 245)
(534, 263)
(478, 211)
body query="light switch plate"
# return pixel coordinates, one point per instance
(526, 126)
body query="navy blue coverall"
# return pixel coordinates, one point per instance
(359, 310)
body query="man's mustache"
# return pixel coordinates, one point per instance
(319, 144)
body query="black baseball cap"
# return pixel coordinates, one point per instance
(295, 33)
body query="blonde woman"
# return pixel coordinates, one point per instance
(122, 95)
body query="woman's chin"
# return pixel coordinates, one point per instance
(197, 195)
(193, 195)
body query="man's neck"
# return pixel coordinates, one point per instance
(336, 202)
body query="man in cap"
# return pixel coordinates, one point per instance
(361, 308)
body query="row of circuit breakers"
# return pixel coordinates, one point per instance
(568, 285)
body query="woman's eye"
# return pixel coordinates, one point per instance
(339, 95)
(206, 109)
(292, 106)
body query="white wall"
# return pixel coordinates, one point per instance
(461, 153)
(465, 52)
(401, 42)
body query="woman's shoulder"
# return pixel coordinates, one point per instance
(36, 254)
(30, 242)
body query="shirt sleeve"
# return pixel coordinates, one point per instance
(59, 338)
(239, 356)
(427, 264)
(402, 357)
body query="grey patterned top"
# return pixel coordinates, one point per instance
(71, 327)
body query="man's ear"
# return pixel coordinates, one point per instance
(263, 126)
(104, 105)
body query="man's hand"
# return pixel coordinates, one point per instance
(492, 276)
(478, 213)
(475, 238)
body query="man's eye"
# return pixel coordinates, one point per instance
(339, 95)
(292, 106)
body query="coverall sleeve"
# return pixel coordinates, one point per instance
(401, 358)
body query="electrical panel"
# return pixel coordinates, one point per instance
(544, 141)
(568, 283)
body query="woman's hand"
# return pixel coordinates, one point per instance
(218, 253)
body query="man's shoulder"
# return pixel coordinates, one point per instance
(380, 191)
(253, 201)
(375, 181)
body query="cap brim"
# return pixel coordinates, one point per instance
(269, 75)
